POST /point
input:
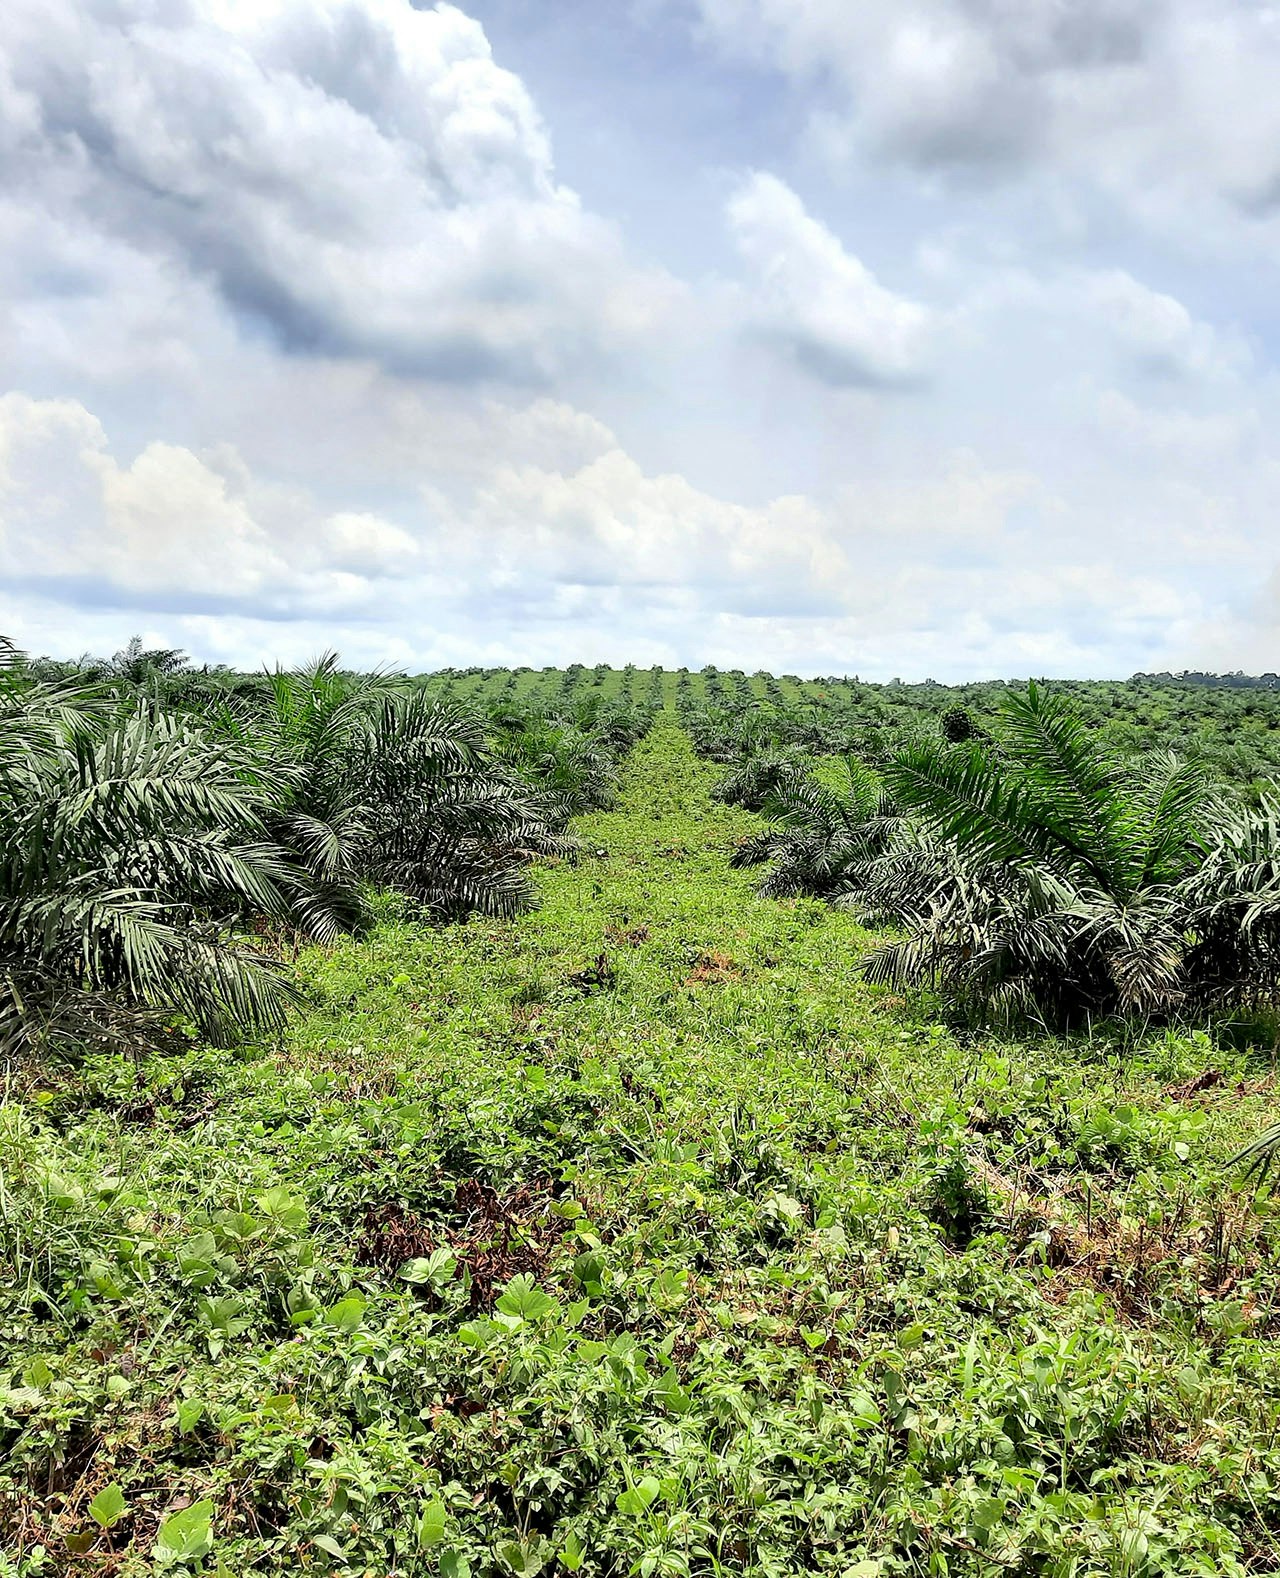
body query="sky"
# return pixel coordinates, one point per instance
(918, 338)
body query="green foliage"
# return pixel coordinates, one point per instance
(131, 844)
(374, 784)
(185, 1537)
(1052, 883)
(736, 1266)
(108, 1506)
(1230, 732)
(957, 725)
(821, 832)
(151, 844)
(755, 781)
(1036, 874)
(573, 767)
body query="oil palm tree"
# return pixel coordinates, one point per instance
(448, 824)
(572, 767)
(370, 783)
(1234, 895)
(131, 850)
(766, 776)
(1048, 881)
(820, 835)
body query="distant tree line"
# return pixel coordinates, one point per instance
(1190, 676)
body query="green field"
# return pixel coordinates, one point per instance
(1232, 729)
(637, 1234)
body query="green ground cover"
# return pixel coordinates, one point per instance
(1232, 730)
(636, 1235)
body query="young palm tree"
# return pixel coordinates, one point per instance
(373, 783)
(298, 731)
(1234, 953)
(770, 774)
(732, 733)
(819, 836)
(131, 847)
(1047, 881)
(573, 767)
(135, 664)
(448, 825)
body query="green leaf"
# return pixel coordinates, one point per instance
(186, 1536)
(226, 1315)
(286, 1210)
(346, 1314)
(863, 1407)
(671, 1394)
(525, 1299)
(108, 1507)
(432, 1521)
(433, 1270)
(590, 1270)
(572, 1553)
(329, 1545)
(190, 1412)
(37, 1374)
(640, 1497)
(525, 1558)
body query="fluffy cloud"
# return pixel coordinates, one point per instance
(1157, 331)
(816, 299)
(195, 533)
(948, 82)
(611, 525)
(173, 529)
(935, 573)
(318, 348)
(358, 175)
(1107, 321)
(1159, 99)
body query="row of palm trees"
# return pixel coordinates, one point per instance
(156, 842)
(1032, 875)
(151, 855)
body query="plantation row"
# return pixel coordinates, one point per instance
(1227, 724)
(1034, 874)
(161, 836)
(165, 828)
(633, 1235)
(1233, 732)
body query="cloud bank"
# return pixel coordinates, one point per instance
(965, 368)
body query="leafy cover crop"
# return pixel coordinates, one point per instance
(637, 1235)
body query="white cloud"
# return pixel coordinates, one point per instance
(320, 350)
(816, 299)
(610, 524)
(627, 561)
(946, 82)
(1180, 437)
(1158, 331)
(1167, 103)
(172, 529)
(957, 569)
(1106, 321)
(359, 175)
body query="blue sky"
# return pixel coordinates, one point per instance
(921, 337)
